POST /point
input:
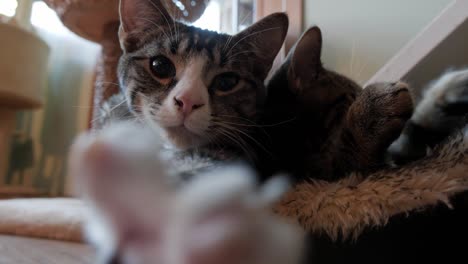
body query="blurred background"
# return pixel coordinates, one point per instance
(55, 56)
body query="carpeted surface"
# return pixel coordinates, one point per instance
(49, 218)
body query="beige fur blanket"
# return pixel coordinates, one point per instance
(350, 205)
(49, 218)
(344, 207)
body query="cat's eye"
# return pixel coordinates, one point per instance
(225, 83)
(162, 67)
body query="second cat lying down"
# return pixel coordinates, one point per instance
(322, 125)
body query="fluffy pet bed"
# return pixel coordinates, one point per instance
(419, 213)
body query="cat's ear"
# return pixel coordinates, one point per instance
(265, 39)
(136, 16)
(305, 58)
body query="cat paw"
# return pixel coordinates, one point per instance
(378, 116)
(115, 155)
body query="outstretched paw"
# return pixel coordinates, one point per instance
(120, 154)
(378, 116)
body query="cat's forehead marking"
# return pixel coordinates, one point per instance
(183, 45)
(195, 66)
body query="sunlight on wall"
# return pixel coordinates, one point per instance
(42, 16)
(8, 7)
(211, 18)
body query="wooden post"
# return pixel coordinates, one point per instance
(23, 13)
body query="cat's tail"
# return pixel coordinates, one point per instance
(345, 208)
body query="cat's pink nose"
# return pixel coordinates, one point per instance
(186, 104)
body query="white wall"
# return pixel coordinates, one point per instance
(360, 36)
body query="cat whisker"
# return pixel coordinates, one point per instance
(237, 54)
(351, 64)
(103, 83)
(260, 126)
(238, 117)
(363, 67)
(250, 35)
(176, 27)
(244, 134)
(280, 123)
(156, 25)
(234, 124)
(241, 125)
(119, 104)
(227, 43)
(235, 132)
(236, 140)
(163, 15)
(231, 36)
(245, 17)
(252, 123)
(110, 110)
(238, 60)
(213, 139)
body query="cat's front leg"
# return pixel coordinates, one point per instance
(118, 172)
(374, 121)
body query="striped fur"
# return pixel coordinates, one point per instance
(199, 57)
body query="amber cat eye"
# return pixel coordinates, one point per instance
(225, 82)
(162, 67)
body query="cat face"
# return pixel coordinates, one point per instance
(191, 82)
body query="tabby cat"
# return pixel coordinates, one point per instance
(202, 90)
(321, 124)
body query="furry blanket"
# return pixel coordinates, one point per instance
(346, 208)
(338, 209)
(49, 218)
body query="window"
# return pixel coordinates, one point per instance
(8, 7)
(46, 19)
(228, 16)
